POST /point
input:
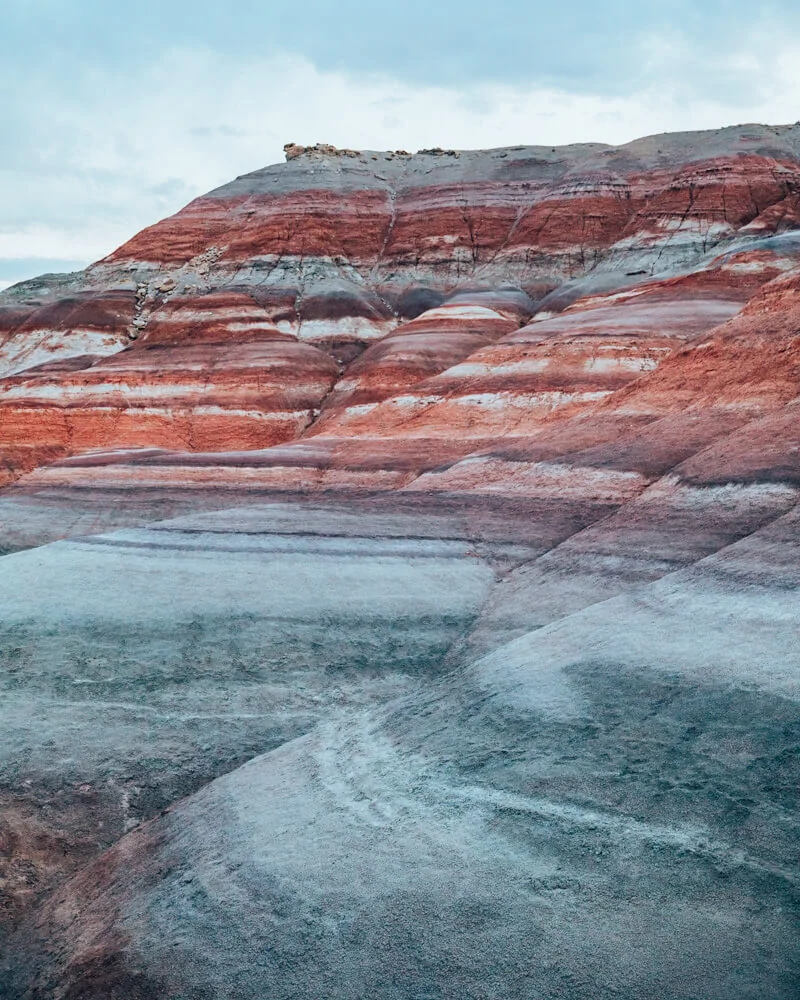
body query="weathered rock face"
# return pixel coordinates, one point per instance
(420, 615)
(424, 261)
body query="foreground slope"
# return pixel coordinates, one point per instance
(607, 803)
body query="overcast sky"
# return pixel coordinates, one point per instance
(115, 115)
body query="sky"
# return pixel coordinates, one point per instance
(116, 115)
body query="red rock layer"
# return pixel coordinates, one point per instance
(734, 385)
(204, 396)
(550, 211)
(567, 361)
(96, 323)
(424, 346)
(225, 316)
(749, 363)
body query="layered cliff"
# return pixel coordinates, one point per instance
(421, 605)
(370, 274)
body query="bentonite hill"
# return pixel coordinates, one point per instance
(399, 585)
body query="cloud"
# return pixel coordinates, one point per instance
(120, 148)
(582, 46)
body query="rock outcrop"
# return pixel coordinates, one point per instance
(400, 594)
(420, 262)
